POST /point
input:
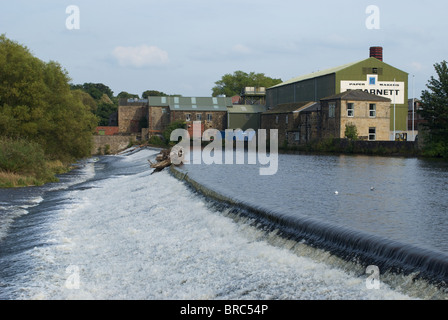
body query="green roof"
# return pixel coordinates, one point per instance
(325, 72)
(290, 107)
(191, 103)
(317, 74)
(245, 108)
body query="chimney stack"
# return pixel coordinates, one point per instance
(376, 52)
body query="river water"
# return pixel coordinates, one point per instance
(112, 230)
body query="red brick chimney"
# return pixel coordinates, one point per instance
(376, 52)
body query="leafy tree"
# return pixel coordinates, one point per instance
(179, 124)
(37, 104)
(126, 95)
(232, 84)
(104, 111)
(351, 132)
(435, 112)
(153, 93)
(96, 90)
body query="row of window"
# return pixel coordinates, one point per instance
(198, 117)
(351, 110)
(276, 119)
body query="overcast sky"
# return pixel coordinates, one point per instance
(184, 47)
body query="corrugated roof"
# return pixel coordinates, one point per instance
(357, 95)
(290, 107)
(317, 74)
(245, 108)
(327, 72)
(192, 103)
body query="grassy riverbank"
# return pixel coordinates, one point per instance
(24, 163)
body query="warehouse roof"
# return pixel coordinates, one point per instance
(317, 74)
(192, 103)
(356, 95)
(245, 108)
(290, 107)
(326, 72)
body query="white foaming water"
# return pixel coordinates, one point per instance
(146, 236)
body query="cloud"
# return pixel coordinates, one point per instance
(140, 56)
(241, 49)
(417, 66)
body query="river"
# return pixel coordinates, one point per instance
(112, 230)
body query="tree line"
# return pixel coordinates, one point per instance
(45, 119)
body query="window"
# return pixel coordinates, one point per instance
(198, 116)
(164, 110)
(276, 119)
(286, 119)
(350, 110)
(209, 117)
(297, 136)
(188, 117)
(372, 110)
(331, 110)
(372, 134)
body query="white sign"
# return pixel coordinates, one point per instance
(388, 89)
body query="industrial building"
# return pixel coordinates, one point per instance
(371, 75)
(150, 116)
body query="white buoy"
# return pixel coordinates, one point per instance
(336, 192)
(372, 188)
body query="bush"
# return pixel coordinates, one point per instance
(24, 157)
(156, 141)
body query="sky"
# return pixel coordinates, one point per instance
(184, 47)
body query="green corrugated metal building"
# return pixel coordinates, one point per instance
(371, 75)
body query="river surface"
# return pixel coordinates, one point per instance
(112, 230)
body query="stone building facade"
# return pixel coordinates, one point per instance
(151, 116)
(369, 113)
(285, 118)
(131, 116)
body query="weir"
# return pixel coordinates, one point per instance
(348, 244)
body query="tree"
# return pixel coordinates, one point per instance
(351, 132)
(96, 90)
(232, 84)
(37, 104)
(126, 95)
(435, 112)
(153, 93)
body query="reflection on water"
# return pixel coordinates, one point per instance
(398, 198)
